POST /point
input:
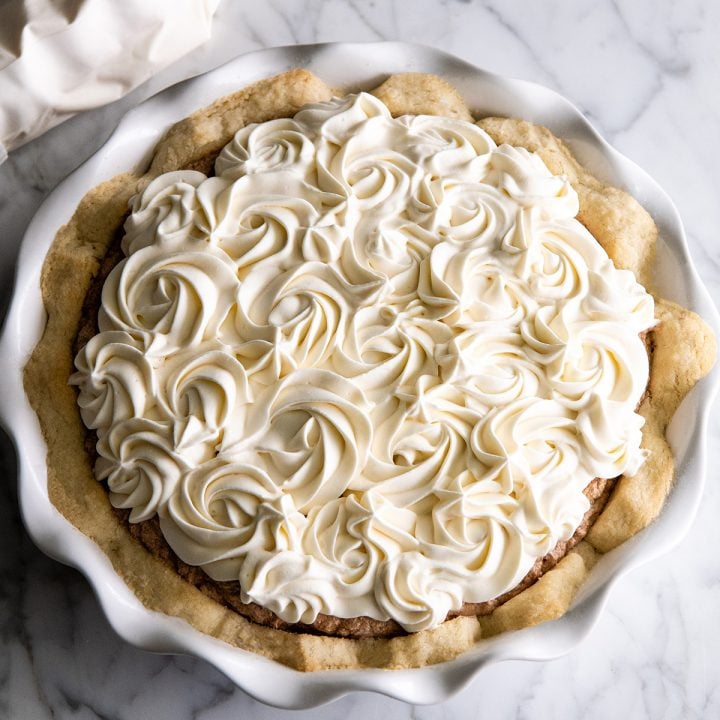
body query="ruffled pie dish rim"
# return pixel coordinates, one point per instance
(339, 65)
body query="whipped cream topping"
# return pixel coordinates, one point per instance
(368, 368)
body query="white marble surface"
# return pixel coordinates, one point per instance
(646, 74)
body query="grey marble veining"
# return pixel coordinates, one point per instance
(646, 75)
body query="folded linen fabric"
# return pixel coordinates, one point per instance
(58, 57)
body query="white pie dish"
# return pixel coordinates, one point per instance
(349, 66)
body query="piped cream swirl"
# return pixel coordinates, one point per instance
(368, 368)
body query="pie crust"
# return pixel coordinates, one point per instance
(682, 351)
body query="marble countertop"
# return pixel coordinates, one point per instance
(646, 74)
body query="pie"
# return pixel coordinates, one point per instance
(364, 380)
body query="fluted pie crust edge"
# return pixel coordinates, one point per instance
(683, 351)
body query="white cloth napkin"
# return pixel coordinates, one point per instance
(58, 57)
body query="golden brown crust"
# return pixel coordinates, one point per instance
(620, 224)
(548, 598)
(420, 94)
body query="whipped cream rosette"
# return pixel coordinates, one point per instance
(368, 368)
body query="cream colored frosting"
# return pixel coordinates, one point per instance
(368, 368)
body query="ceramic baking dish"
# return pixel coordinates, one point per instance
(351, 67)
